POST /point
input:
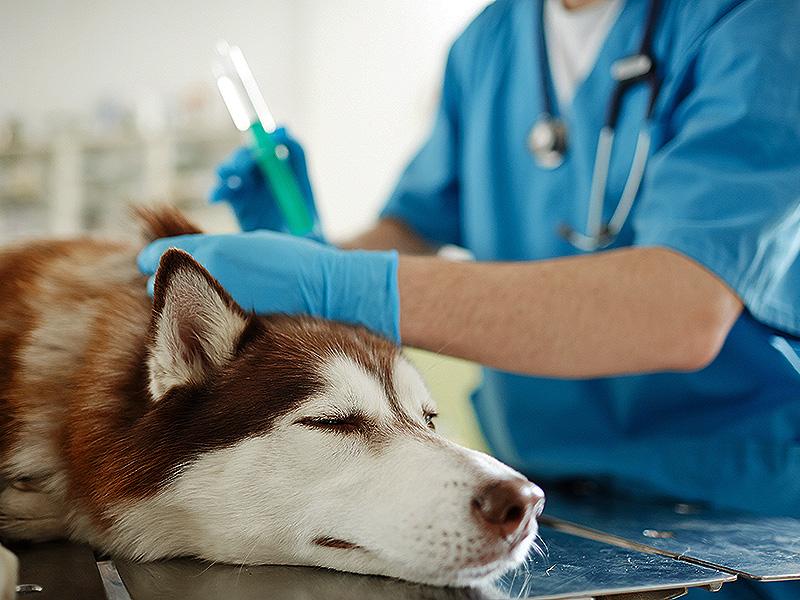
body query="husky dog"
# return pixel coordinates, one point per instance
(186, 426)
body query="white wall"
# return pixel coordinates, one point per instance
(371, 74)
(355, 79)
(66, 55)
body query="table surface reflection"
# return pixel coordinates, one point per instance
(571, 567)
(597, 545)
(752, 546)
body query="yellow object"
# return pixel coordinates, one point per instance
(451, 381)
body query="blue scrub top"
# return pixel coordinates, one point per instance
(722, 186)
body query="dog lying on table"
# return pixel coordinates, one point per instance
(185, 426)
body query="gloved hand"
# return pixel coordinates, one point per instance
(241, 183)
(272, 272)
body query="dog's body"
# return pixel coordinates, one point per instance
(187, 427)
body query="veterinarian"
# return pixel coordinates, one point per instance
(648, 336)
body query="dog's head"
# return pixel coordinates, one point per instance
(304, 441)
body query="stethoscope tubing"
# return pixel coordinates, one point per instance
(643, 69)
(599, 236)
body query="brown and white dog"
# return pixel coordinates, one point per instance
(187, 427)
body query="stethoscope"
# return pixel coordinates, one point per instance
(547, 140)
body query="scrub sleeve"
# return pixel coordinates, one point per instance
(725, 189)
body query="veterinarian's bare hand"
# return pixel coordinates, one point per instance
(241, 183)
(272, 272)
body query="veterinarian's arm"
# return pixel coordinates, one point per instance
(624, 311)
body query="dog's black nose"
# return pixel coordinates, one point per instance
(503, 506)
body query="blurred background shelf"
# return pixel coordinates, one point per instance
(79, 182)
(114, 102)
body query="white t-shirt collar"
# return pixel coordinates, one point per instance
(574, 39)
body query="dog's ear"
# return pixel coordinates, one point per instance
(195, 325)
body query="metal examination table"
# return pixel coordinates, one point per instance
(618, 550)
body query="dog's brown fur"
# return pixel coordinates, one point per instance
(79, 430)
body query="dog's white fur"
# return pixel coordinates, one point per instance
(398, 494)
(262, 500)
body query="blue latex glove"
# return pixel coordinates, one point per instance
(272, 272)
(241, 183)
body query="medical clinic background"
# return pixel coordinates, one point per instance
(109, 103)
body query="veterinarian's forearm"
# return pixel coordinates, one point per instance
(624, 311)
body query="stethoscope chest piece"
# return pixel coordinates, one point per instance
(547, 141)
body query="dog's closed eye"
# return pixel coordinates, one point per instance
(351, 423)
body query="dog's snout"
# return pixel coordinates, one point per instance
(503, 506)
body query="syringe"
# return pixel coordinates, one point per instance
(249, 112)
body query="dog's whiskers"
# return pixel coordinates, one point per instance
(540, 540)
(211, 564)
(244, 562)
(440, 359)
(537, 550)
(539, 547)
